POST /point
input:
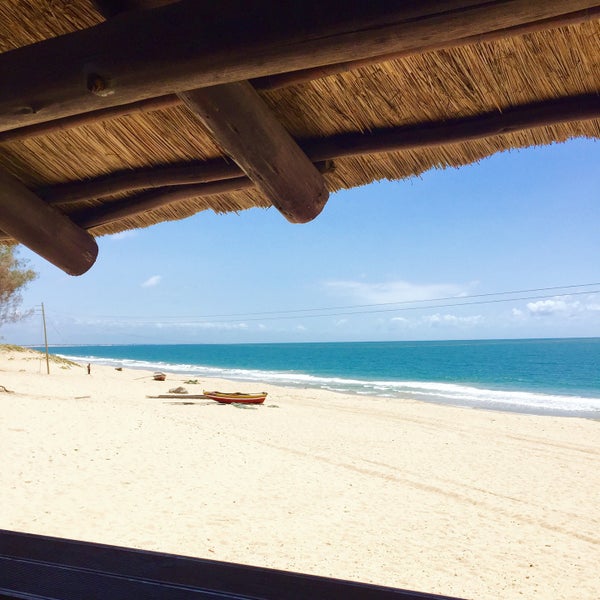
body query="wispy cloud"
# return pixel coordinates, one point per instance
(437, 320)
(203, 325)
(453, 320)
(152, 281)
(394, 291)
(400, 320)
(124, 323)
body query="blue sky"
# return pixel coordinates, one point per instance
(516, 221)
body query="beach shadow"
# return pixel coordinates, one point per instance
(189, 403)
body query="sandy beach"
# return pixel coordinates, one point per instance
(470, 503)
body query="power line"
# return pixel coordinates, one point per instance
(270, 316)
(562, 287)
(406, 308)
(352, 306)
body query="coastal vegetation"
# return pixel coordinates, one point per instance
(30, 354)
(14, 276)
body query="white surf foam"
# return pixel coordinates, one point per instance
(445, 393)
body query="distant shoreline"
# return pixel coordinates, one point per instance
(507, 376)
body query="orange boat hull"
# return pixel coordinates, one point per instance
(236, 397)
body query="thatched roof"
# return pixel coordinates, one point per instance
(495, 76)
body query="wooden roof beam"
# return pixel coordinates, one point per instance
(151, 200)
(146, 201)
(127, 180)
(205, 44)
(420, 135)
(89, 118)
(44, 229)
(222, 178)
(111, 8)
(248, 131)
(282, 80)
(246, 128)
(292, 78)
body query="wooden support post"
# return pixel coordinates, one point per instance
(45, 340)
(43, 229)
(202, 44)
(250, 133)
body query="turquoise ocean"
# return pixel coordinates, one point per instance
(543, 376)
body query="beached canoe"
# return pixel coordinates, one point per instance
(236, 397)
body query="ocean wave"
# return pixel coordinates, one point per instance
(430, 391)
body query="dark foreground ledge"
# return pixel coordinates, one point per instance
(34, 567)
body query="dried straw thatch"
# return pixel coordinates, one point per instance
(436, 86)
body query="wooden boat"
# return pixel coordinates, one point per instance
(236, 397)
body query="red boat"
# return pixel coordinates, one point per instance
(236, 397)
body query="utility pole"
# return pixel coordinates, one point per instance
(45, 339)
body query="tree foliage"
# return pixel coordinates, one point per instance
(14, 276)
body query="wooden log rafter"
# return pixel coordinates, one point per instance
(89, 118)
(112, 8)
(128, 180)
(220, 177)
(119, 62)
(246, 128)
(283, 80)
(429, 134)
(249, 132)
(144, 74)
(151, 200)
(215, 177)
(44, 229)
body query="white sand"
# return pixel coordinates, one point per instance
(476, 504)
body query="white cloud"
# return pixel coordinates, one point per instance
(210, 325)
(400, 321)
(152, 281)
(438, 320)
(563, 306)
(548, 307)
(453, 320)
(132, 324)
(395, 291)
